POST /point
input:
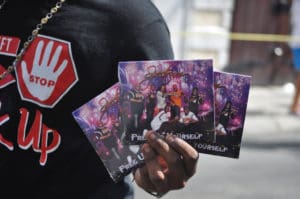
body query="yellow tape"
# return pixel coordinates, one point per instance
(247, 36)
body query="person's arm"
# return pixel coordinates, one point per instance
(161, 116)
(181, 118)
(194, 118)
(135, 100)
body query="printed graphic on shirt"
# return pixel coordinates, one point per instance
(9, 79)
(168, 96)
(3, 141)
(41, 138)
(99, 120)
(9, 45)
(46, 72)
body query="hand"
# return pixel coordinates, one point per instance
(42, 78)
(169, 163)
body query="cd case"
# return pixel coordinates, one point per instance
(231, 93)
(99, 119)
(186, 98)
(168, 96)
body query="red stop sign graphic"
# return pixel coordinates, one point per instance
(46, 72)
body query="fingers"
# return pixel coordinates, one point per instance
(38, 52)
(47, 53)
(55, 57)
(154, 169)
(163, 148)
(24, 70)
(169, 163)
(189, 155)
(169, 160)
(142, 179)
(61, 68)
(54, 61)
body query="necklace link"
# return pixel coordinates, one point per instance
(2, 4)
(31, 37)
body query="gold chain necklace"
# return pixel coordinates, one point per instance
(33, 35)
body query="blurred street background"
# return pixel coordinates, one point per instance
(246, 37)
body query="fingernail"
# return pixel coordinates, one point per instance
(146, 148)
(152, 137)
(171, 138)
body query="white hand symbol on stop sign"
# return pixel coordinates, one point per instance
(41, 80)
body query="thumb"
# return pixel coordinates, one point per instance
(24, 70)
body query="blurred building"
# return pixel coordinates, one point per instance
(199, 28)
(268, 60)
(208, 29)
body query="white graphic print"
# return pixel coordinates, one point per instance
(47, 71)
(42, 78)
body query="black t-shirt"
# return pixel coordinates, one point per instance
(43, 152)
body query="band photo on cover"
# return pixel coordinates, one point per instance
(100, 121)
(167, 96)
(231, 98)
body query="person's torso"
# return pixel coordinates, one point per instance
(176, 98)
(72, 60)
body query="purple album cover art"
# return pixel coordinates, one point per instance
(231, 97)
(167, 96)
(99, 119)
